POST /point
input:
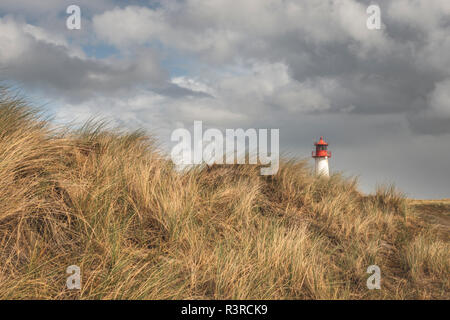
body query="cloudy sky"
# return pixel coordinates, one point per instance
(380, 97)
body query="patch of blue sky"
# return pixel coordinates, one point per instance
(100, 51)
(179, 64)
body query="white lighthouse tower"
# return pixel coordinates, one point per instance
(321, 156)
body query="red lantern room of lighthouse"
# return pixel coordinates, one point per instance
(321, 156)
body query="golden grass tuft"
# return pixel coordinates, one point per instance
(113, 204)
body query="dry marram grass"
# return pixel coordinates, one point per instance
(114, 205)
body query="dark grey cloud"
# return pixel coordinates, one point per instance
(44, 61)
(392, 70)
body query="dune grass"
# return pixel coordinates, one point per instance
(113, 204)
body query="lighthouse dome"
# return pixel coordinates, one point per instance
(321, 142)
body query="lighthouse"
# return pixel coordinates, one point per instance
(321, 156)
